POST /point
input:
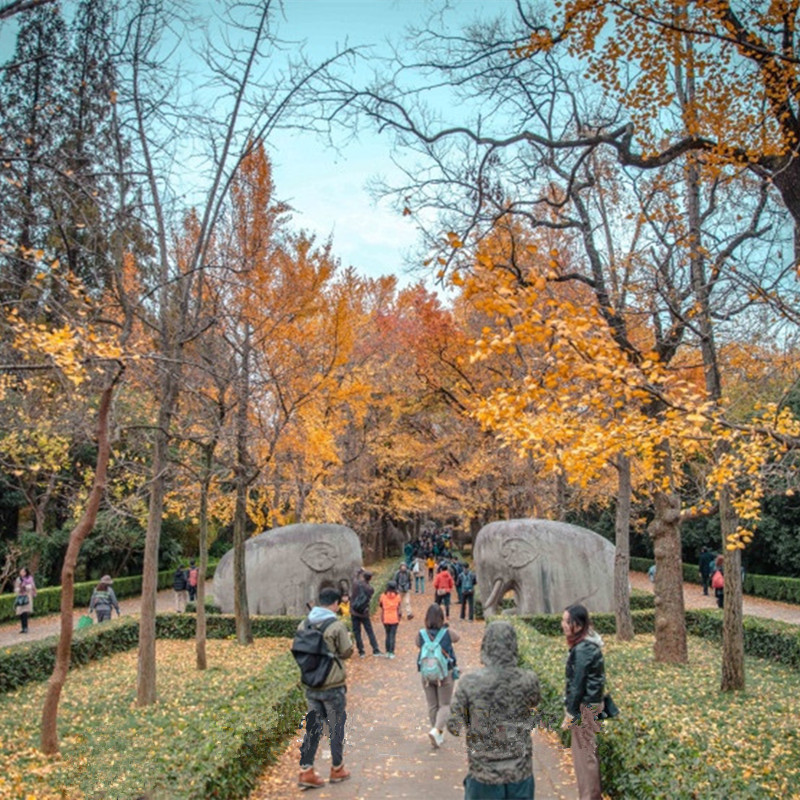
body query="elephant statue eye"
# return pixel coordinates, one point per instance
(319, 556)
(518, 552)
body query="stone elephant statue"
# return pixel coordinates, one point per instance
(548, 565)
(286, 568)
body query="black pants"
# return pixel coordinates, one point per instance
(192, 592)
(367, 623)
(327, 705)
(391, 636)
(468, 597)
(720, 595)
(444, 599)
(706, 579)
(23, 619)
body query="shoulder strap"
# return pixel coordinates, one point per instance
(440, 636)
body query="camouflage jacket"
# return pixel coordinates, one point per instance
(495, 705)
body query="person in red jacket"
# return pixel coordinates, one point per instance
(442, 586)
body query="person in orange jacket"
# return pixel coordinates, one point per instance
(390, 615)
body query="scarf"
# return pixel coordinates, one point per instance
(574, 638)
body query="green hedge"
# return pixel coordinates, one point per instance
(48, 600)
(771, 587)
(34, 661)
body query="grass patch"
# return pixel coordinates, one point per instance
(679, 737)
(209, 736)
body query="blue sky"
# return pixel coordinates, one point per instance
(328, 188)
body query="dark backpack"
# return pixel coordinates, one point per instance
(312, 654)
(360, 603)
(467, 582)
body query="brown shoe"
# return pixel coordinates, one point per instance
(309, 779)
(338, 774)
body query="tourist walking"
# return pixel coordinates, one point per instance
(706, 564)
(192, 577)
(403, 581)
(583, 697)
(359, 613)
(437, 666)
(718, 580)
(328, 701)
(103, 599)
(443, 585)
(495, 705)
(467, 585)
(419, 575)
(390, 615)
(180, 585)
(24, 592)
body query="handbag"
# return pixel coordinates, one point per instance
(442, 592)
(21, 600)
(610, 709)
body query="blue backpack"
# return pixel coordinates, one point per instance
(433, 663)
(467, 582)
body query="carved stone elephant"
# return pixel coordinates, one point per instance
(548, 565)
(286, 568)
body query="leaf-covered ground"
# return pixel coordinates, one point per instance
(111, 748)
(689, 739)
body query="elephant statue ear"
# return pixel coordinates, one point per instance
(319, 556)
(518, 552)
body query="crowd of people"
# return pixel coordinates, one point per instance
(493, 707)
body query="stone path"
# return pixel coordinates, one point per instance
(50, 625)
(693, 597)
(387, 748)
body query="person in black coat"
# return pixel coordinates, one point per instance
(180, 585)
(583, 697)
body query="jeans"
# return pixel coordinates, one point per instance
(324, 705)
(468, 598)
(444, 599)
(419, 584)
(367, 623)
(475, 790)
(391, 635)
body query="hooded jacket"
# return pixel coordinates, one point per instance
(585, 674)
(337, 638)
(495, 704)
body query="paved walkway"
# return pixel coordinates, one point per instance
(693, 597)
(387, 748)
(50, 625)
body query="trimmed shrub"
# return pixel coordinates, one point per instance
(33, 661)
(770, 587)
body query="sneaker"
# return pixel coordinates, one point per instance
(309, 779)
(437, 739)
(411, 616)
(377, 653)
(390, 655)
(362, 655)
(339, 774)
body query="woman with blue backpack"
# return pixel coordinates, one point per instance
(437, 667)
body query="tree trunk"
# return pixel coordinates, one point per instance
(670, 624)
(622, 552)
(732, 621)
(49, 732)
(244, 634)
(146, 669)
(202, 546)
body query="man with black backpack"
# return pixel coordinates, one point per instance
(359, 613)
(320, 645)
